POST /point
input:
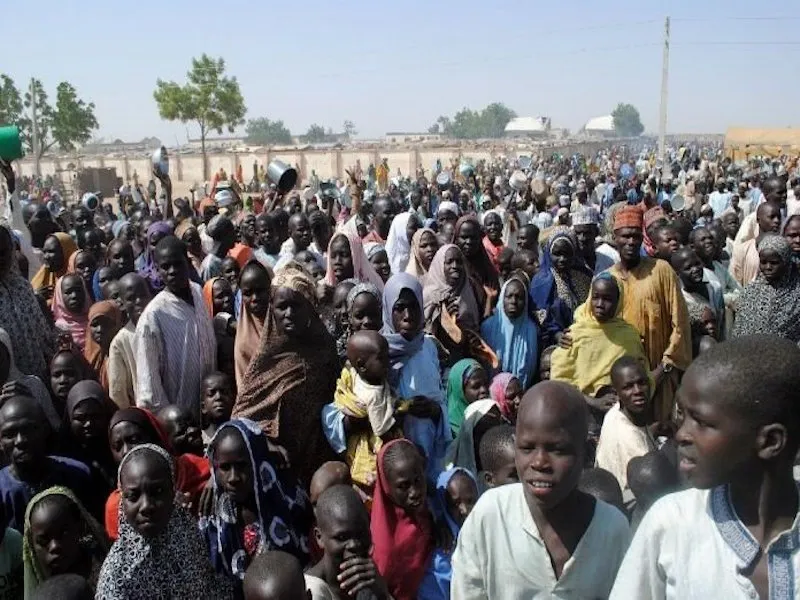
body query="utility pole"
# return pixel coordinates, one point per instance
(35, 131)
(662, 121)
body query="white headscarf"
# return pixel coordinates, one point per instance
(398, 248)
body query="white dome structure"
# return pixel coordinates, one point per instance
(603, 125)
(528, 127)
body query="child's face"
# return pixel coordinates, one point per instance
(217, 399)
(184, 433)
(63, 374)
(222, 296)
(461, 496)
(380, 261)
(102, 330)
(365, 313)
(124, 437)
(513, 396)
(340, 302)
(56, 535)
(74, 292)
(709, 323)
(85, 266)
(633, 390)
(514, 299)
(406, 314)
(344, 535)
(715, 443)
(232, 468)
(476, 386)
(230, 271)
(146, 484)
(505, 473)
(407, 486)
(135, 298)
(89, 423)
(530, 266)
(255, 292)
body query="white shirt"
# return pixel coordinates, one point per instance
(500, 553)
(122, 367)
(691, 544)
(620, 441)
(175, 349)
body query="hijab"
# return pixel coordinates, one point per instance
(456, 400)
(362, 268)
(497, 390)
(437, 290)
(174, 564)
(246, 342)
(516, 341)
(282, 506)
(401, 544)
(94, 354)
(400, 349)
(491, 249)
(208, 294)
(44, 276)
(150, 271)
(398, 248)
(415, 267)
(482, 266)
(73, 323)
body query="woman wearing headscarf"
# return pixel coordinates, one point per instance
(71, 317)
(398, 247)
(506, 390)
(103, 323)
(424, 245)
(254, 290)
(560, 286)
(467, 236)
(280, 509)
(170, 562)
(56, 251)
(512, 333)
(448, 286)
(294, 373)
(346, 259)
(155, 233)
(84, 538)
(770, 304)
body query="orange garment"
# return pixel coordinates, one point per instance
(241, 253)
(93, 353)
(208, 294)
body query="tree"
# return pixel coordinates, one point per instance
(469, 124)
(10, 101)
(315, 134)
(210, 98)
(627, 122)
(262, 131)
(350, 129)
(73, 119)
(434, 128)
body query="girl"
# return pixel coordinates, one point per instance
(347, 260)
(254, 288)
(83, 263)
(467, 236)
(466, 383)
(457, 491)
(155, 233)
(131, 427)
(218, 295)
(398, 242)
(105, 320)
(61, 537)
(159, 554)
(376, 254)
(67, 368)
(401, 524)
(56, 252)
(71, 303)
(424, 245)
(506, 391)
(512, 333)
(231, 271)
(259, 505)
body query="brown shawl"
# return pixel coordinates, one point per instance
(248, 336)
(284, 388)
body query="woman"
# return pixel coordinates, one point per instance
(424, 245)
(254, 288)
(771, 303)
(493, 240)
(560, 286)
(467, 236)
(294, 373)
(347, 260)
(155, 233)
(257, 509)
(512, 333)
(448, 287)
(218, 296)
(791, 231)
(506, 391)
(71, 304)
(61, 537)
(56, 252)
(398, 246)
(105, 320)
(187, 233)
(164, 556)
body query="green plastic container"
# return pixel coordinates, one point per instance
(10, 143)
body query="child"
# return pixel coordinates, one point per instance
(160, 552)
(544, 363)
(650, 477)
(466, 383)
(105, 320)
(328, 475)
(504, 263)
(506, 391)
(602, 485)
(401, 524)
(218, 295)
(24, 431)
(343, 533)
(182, 430)
(526, 261)
(457, 490)
(67, 368)
(218, 397)
(61, 537)
(258, 504)
(496, 453)
(578, 541)
(362, 392)
(626, 430)
(528, 238)
(71, 303)
(732, 535)
(275, 576)
(231, 271)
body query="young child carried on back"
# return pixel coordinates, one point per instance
(363, 392)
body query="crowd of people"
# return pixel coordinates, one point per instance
(573, 377)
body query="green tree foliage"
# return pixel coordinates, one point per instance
(627, 122)
(315, 134)
(210, 98)
(472, 124)
(262, 131)
(10, 101)
(73, 119)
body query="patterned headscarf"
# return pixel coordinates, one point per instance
(295, 277)
(778, 244)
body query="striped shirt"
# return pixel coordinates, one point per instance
(175, 348)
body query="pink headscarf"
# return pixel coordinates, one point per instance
(73, 323)
(362, 268)
(497, 390)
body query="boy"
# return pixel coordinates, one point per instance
(275, 575)
(733, 535)
(24, 431)
(542, 537)
(650, 477)
(182, 430)
(526, 261)
(496, 453)
(545, 362)
(135, 294)
(217, 405)
(602, 485)
(343, 533)
(626, 427)
(528, 238)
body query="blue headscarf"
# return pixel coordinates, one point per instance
(516, 342)
(543, 293)
(284, 510)
(400, 349)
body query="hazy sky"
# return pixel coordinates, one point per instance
(397, 66)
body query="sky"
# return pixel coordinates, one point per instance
(397, 66)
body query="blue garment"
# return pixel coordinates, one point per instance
(516, 342)
(400, 349)
(284, 510)
(97, 291)
(719, 202)
(436, 582)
